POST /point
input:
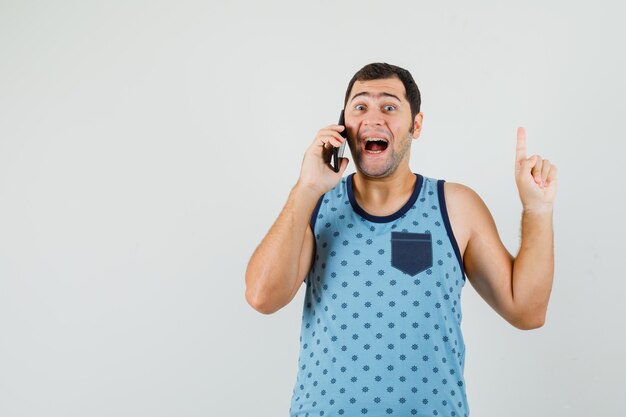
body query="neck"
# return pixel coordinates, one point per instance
(389, 191)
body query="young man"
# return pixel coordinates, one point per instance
(384, 253)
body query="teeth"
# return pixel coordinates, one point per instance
(375, 139)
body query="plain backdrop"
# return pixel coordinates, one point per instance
(147, 147)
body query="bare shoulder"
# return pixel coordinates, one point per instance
(457, 192)
(463, 204)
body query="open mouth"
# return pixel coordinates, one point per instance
(375, 145)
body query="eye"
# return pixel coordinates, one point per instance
(390, 107)
(359, 107)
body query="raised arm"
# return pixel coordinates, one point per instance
(533, 270)
(517, 288)
(283, 258)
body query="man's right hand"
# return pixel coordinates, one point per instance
(316, 172)
(280, 263)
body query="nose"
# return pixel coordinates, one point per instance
(373, 118)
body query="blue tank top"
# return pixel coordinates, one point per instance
(381, 323)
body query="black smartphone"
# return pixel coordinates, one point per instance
(338, 151)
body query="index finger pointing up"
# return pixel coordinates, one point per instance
(520, 151)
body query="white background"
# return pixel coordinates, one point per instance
(147, 147)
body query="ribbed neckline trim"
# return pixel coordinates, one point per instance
(384, 219)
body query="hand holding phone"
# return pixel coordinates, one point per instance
(338, 151)
(318, 172)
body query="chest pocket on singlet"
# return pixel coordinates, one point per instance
(411, 253)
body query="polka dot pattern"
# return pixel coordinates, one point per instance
(381, 323)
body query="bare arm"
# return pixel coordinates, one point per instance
(533, 270)
(283, 258)
(275, 270)
(517, 288)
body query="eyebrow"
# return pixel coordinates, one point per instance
(368, 94)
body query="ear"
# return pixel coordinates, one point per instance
(417, 125)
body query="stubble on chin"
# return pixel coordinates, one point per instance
(393, 161)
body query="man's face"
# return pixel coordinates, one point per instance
(377, 109)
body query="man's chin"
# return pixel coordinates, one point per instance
(375, 172)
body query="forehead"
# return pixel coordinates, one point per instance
(375, 87)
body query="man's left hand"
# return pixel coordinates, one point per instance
(535, 177)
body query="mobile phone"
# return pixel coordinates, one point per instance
(338, 151)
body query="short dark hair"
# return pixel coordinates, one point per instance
(381, 70)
